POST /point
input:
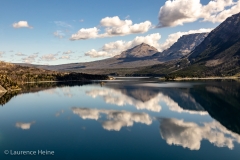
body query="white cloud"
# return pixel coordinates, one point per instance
(116, 119)
(21, 24)
(114, 26)
(68, 52)
(30, 59)
(49, 57)
(115, 48)
(215, 11)
(189, 134)
(24, 126)
(20, 54)
(114, 22)
(85, 34)
(64, 57)
(95, 54)
(178, 12)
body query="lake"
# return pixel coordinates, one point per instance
(127, 118)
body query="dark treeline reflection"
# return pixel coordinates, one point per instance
(221, 101)
(36, 87)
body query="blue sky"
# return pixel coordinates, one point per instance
(41, 31)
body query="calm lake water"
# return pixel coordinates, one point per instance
(122, 119)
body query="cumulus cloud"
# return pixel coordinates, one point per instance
(24, 126)
(115, 48)
(115, 119)
(85, 34)
(189, 134)
(95, 54)
(64, 57)
(49, 57)
(114, 26)
(30, 59)
(21, 24)
(178, 12)
(20, 54)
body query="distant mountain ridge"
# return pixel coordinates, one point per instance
(183, 46)
(141, 55)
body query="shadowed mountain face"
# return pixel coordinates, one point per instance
(182, 47)
(225, 37)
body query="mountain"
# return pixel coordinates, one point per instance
(222, 42)
(133, 59)
(138, 56)
(217, 55)
(139, 51)
(182, 47)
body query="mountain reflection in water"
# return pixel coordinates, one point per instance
(135, 104)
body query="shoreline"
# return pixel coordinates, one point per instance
(206, 78)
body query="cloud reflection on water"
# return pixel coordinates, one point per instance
(189, 134)
(24, 126)
(115, 119)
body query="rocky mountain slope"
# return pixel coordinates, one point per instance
(219, 53)
(182, 47)
(139, 51)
